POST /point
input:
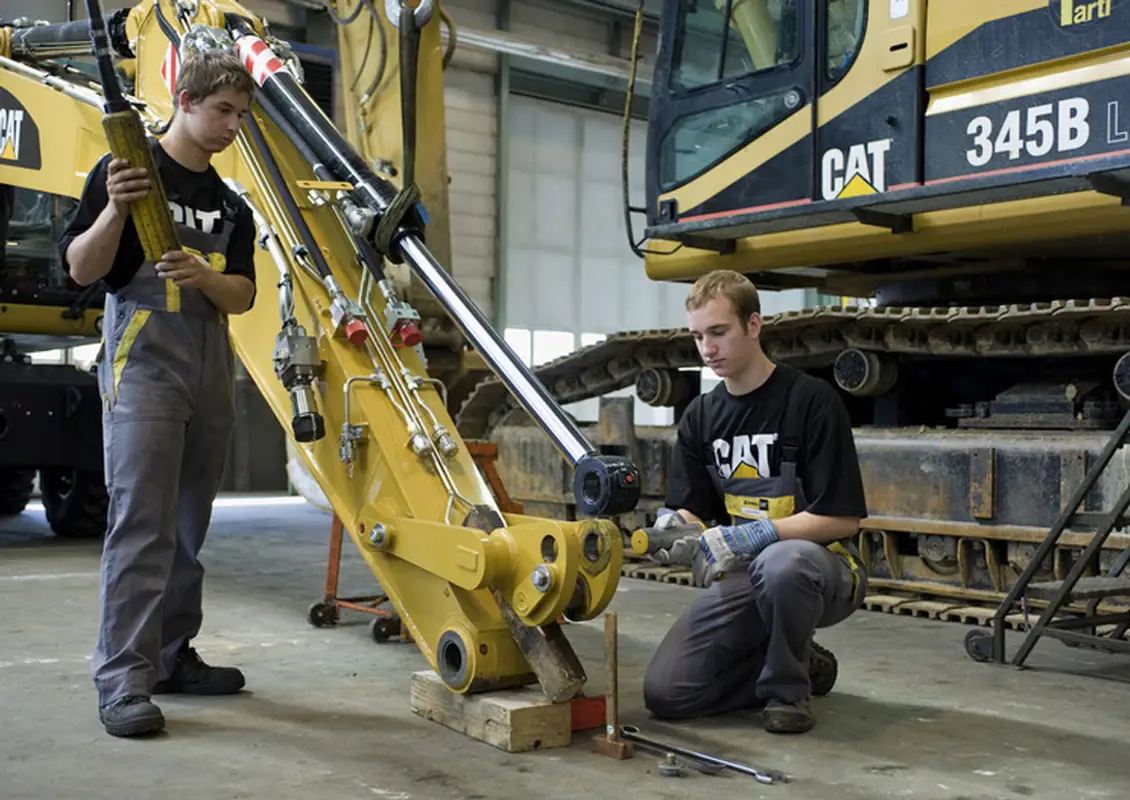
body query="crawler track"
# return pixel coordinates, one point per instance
(812, 338)
(973, 574)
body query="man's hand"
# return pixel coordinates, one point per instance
(671, 540)
(721, 547)
(185, 269)
(125, 185)
(230, 294)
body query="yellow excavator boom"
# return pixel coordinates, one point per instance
(338, 357)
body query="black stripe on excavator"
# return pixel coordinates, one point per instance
(870, 147)
(1031, 37)
(886, 114)
(1037, 180)
(1072, 125)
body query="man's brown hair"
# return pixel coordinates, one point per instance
(205, 73)
(733, 286)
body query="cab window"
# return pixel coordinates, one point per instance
(726, 39)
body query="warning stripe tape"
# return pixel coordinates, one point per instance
(260, 61)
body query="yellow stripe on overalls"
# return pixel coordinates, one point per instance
(840, 550)
(760, 507)
(133, 328)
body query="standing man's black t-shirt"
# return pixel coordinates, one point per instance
(725, 431)
(197, 199)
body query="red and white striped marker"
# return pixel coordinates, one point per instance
(259, 59)
(170, 67)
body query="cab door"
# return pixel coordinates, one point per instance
(869, 76)
(731, 110)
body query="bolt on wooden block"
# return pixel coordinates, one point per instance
(514, 720)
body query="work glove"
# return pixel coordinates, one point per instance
(671, 540)
(723, 546)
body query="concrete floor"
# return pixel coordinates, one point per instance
(326, 713)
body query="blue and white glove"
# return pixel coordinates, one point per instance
(723, 546)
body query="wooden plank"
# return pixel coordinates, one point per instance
(930, 609)
(514, 720)
(979, 615)
(884, 602)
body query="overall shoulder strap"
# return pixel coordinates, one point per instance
(789, 436)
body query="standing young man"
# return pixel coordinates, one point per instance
(768, 458)
(166, 376)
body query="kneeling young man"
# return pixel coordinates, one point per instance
(767, 457)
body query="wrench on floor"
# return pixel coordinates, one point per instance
(632, 733)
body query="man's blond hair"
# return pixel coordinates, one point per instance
(205, 73)
(733, 286)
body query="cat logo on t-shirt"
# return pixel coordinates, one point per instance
(204, 221)
(744, 456)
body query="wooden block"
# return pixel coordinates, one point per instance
(514, 720)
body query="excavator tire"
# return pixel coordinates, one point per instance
(16, 486)
(75, 501)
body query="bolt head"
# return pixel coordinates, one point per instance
(542, 578)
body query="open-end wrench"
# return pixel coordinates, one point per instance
(632, 733)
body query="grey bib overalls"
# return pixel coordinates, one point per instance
(166, 375)
(746, 638)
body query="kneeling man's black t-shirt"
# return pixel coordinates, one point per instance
(720, 431)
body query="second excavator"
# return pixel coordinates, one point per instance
(961, 166)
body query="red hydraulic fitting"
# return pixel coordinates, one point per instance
(356, 332)
(409, 334)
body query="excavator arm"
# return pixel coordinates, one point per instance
(480, 591)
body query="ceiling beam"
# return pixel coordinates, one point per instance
(511, 44)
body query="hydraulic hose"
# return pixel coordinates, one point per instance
(603, 484)
(274, 175)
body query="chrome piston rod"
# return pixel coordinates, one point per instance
(502, 360)
(602, 484)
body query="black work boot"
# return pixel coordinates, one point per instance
(132, 715)
(822, 670)
(780, 717)
(192, 676)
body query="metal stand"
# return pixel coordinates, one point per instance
(1081, 626)
(386, 622)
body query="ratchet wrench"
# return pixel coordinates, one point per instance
(632, 733)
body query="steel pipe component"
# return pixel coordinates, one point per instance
(68, 39)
